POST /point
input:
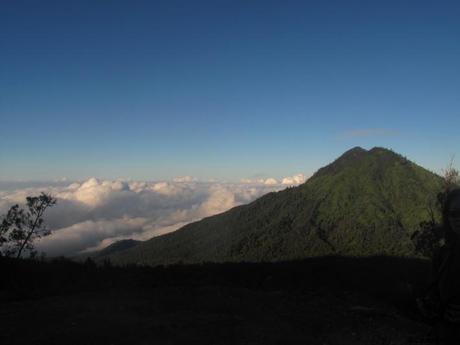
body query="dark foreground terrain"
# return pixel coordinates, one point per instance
(330, 300)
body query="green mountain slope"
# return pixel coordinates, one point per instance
(364, 203)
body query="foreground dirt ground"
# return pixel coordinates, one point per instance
(329, 300)
(207, 315)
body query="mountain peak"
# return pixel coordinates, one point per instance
(354, 152)
(379, 149)
(357, 155)
(348, 157)
(356, 149)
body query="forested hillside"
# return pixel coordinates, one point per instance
(366, 202)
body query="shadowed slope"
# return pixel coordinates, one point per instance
(117, 247)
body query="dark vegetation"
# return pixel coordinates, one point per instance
(22, 226)
(324, 300)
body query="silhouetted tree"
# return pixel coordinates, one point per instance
(429, 237)
(20, 227)
(451, 179)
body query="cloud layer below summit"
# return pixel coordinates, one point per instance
(92, 214)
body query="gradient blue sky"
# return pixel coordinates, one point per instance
(223, 89)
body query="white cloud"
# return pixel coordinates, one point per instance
(80, 236)
(271, 181)
(219, 200)
(184, 179)
(95, 213)
(288, 180)
(294, 180)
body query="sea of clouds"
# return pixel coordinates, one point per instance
(93, 214)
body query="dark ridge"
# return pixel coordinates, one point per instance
(112, 249)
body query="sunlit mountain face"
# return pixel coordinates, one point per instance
(366, 202)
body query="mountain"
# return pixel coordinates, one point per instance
(366, 202)
(111, 249)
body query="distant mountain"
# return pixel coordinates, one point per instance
(363, 203)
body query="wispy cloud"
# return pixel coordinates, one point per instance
(367, 132)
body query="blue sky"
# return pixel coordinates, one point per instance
(223, 89)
